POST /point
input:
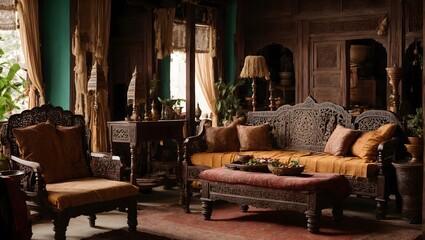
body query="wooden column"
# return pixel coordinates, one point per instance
(190, 68)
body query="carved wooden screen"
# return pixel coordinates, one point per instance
(328, 71)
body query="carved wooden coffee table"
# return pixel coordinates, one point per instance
(307, 193)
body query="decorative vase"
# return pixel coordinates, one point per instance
(285, 79)
(409, 184)
(416, 151)
(358, 54)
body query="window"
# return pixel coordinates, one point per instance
(178, 63)
(10, 43)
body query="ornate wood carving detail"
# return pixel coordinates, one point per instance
(344, 26)
(121, 134)
(415, 15)
(373, 119)
(327, 56)
(318, 6)
(326, 80)
(363, 4)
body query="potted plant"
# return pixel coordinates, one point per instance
(414, 125)
(227, 103)
(10, 83)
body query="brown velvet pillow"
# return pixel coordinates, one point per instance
(222, 139)
(254, 138)
(366, 145)
(58, 150)
(340, 141)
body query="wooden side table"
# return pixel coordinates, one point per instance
(136, 132)
(409, 183)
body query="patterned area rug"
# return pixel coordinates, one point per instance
(227, 222)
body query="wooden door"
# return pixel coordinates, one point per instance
(328, 75)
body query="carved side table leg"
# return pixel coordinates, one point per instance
(206, 209)
(244, 208)
(92, 220)
(132, 216)
(313, 220)
(381, 209)
(337, 212)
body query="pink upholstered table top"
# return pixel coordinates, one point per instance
(336, 184)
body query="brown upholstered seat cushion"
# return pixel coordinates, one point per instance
(58, 150)
(254, 138)
(222, 139)
(340, 141)
(366, 145)
(83, 191)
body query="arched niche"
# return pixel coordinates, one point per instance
(367, 75)
(411, 93)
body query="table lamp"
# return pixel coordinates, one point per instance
(96, 84)
(255, 67)
(133, 95)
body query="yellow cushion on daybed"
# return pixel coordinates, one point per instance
(315, 162)
(87, 190)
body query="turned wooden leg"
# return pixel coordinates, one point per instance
(92, 220)
(381, 208)
(60, 223)
(132, 216)
(337, 212)
(206, 209)
(313, 220)
(187, 195)
(244, 208)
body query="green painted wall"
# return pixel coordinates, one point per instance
(230, 60)
(164, 65)
(56, 53)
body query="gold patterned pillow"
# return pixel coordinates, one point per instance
(222, 139)
(340, 141)
(366, 145)
(58, 150)
(254, 138)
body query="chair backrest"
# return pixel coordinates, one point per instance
(53, 114)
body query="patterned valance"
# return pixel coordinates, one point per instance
(202, 37)
(7, 15)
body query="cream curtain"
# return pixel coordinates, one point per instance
(30, 39)
(163, 25)
(205, 73)
(91, 36)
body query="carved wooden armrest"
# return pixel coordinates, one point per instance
(106, 165)
(196, 143)
(387, 153)
(33, 182)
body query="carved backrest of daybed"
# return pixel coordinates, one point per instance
(54, 114)
(308, 125)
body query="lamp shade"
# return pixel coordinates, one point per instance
(255, 67)
(134, 88)
(97, 79)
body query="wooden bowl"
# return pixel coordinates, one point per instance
(284, 170)
(416, 151)
(243, 158)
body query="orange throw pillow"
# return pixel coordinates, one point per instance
(58, 150)
(254, 138)
(340, 141)
(366, 145)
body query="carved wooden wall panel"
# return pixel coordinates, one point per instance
(349, 25)
(327, 80)
(268, 9)
(305, 6)
(414, 15)
(363, 4)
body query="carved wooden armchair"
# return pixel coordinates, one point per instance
(62, 178)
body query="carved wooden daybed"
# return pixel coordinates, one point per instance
(304, 129)
(48, 138)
